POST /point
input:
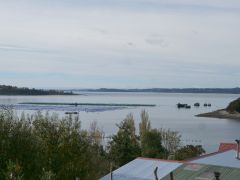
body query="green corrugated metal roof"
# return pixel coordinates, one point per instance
(203, 172)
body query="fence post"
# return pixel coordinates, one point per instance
(111, 175)
(155, 173)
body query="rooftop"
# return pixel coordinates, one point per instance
(200, 168)
(204, 172)
(224, 158)
(143, 169)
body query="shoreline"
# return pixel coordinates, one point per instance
(221, 114)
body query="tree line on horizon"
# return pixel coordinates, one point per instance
(235, 90)
(47, 147)
(13, 90)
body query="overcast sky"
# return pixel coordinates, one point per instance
(120, 43)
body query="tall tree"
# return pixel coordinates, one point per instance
(144, 125)
(124, 146)
(151, 145)
(171, 140)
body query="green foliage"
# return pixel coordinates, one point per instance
(189, 151)
(157, 143)
(151, 144)
(124, 146)
(234, 106)
(13, 171)
(47, 147)
(16, 143)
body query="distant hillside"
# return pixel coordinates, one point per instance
(13, 90)
(234, 106)
(169, 90)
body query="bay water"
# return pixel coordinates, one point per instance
(208, 132)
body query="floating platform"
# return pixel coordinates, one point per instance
(88, 104)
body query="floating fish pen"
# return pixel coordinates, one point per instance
(69, 113)
(186, 106)
(88, 104)
(207, 105)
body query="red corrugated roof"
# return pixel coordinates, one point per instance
(227, 146)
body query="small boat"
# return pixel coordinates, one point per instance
(179, 105)
(197, 104)
(205, 105)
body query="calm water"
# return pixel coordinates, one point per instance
(195, 130)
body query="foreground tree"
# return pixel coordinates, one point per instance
(171, 140)
(124, 146)
(151, 145)
(144, 125)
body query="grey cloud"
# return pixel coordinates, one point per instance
(101, 30)
(156, 42)
(195, 32)
(16, 48)
(130, 44)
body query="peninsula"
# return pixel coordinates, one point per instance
(231, 112)
(13, 90)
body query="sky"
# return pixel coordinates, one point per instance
(120, 43)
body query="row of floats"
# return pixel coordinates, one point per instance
(187, 106)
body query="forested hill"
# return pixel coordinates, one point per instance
(13, 90)
(234, 106)
(171, 90)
